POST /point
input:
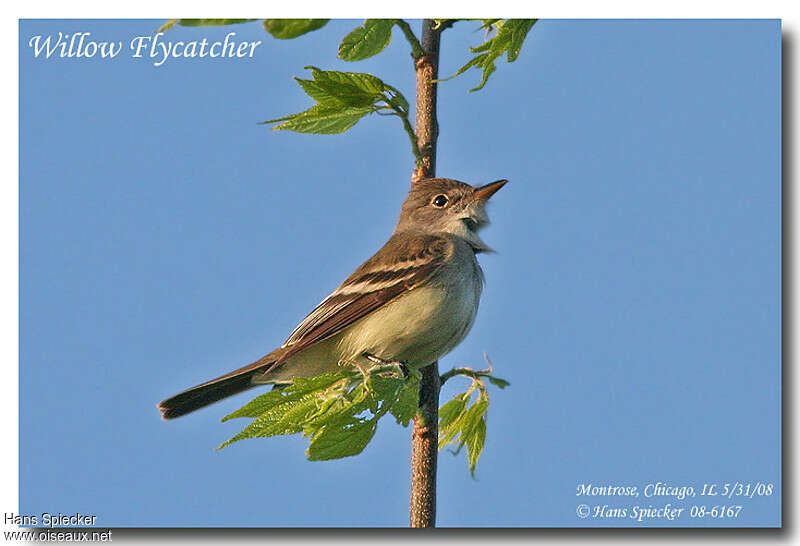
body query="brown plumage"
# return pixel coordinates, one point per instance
(408, 260)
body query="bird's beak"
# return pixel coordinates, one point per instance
(485, 192)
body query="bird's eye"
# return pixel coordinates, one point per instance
(440, 201)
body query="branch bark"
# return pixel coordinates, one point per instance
(427, 71)
(425, 437)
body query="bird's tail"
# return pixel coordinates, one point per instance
(214, 390)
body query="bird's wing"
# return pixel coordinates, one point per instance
(405, 261)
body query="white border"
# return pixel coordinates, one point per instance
(785, 10)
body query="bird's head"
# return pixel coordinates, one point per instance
(444, 205)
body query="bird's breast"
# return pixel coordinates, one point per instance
(422, 325)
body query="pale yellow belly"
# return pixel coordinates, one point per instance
(418, 328)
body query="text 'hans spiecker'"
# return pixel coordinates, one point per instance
(80, 45)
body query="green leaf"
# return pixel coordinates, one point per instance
(341, 439)
(519, 31)
(473, 416)
(342, 88)
(258, 405)
(210, 22)
(286, 418)
(502, 383)
(332, 95)
(485, 46)
(332, 410)
(268, 400)
(286, 29)
(308, 384)
(347, 405)
(345, 396)
(510, 36)
(323, 121)
(487, 71)
(472, 62)
(450, 416)
(343, 98)
(361, 80)
(366, 41)
(474, 442)
(407, 402)
(385, 387)
(452, 410)
(396, 100)
(464, 426)
(350, 88)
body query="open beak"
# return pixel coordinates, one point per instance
(485, 192)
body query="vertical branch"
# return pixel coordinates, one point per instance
(425, 437)
(427, 68)
(425, 450)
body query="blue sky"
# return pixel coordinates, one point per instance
(633, 303)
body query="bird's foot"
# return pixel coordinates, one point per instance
(401, 366)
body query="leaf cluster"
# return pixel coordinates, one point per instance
(463, 424)
(343, 98)
(338, 412)
(367, 40)
(510, 36)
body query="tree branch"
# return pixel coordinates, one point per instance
(427, 70)
(425, 437)
(467, 372)
(413, 137)
(416, 48)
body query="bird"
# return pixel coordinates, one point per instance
(410, 304)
